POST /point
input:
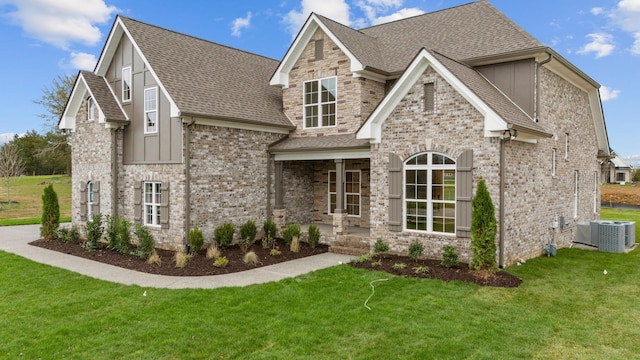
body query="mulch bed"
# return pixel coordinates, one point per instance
(198, 265)
(437, 271)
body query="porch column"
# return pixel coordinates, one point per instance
(279, 212)
(340, 213)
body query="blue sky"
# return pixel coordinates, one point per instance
(46, 38)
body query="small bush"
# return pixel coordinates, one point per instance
(270, 229)
(416, 248)
(376, 263)
(73, 235)
(268, 242)
(154, 259)
(221, 262)
(380, 247)
(146, 244)
(399, 266)
(118, 231)
(248, 232)
(181, 258)
(450, 257)
(314, 235)
(61, 234)
(289, 232)
(50, 213)
(275, 251)
(93, 231)
(251, 258)
(362, 258)
(421, 270)
(223, 235)
(213, 252)
(196, 240)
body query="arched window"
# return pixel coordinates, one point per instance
(430, 193)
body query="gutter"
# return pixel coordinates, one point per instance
(536, 116)
(114, 172)
(187, 180)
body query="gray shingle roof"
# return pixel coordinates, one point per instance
(211, 80)
(489, 94)
(329, 142)
(464, 32)
(104, 97)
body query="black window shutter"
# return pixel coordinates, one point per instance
(395, 193)
(464, 193)
(83, 201)
(164, 205)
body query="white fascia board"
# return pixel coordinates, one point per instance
(322, 155)
(598, 120)
(68, 119)
(110, 49)
(372, 129)
(281, 75)
(237, 125)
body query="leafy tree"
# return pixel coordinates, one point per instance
(636, 175)
(483, 230)
(11, 165)
(50, 213)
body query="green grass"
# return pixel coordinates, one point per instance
(27, 191)
(566, 308)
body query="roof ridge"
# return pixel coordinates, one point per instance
(424, 14)
(195, 37)
(343, 25)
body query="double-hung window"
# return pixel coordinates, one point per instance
(151, 110)
(90, 200)
(152, 202)
(91, 109)
(126, 84)
(352, 192)
(320, 99)
(430, 193)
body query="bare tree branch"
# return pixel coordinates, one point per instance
(11, 165)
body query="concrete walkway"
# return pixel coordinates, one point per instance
(16, 239)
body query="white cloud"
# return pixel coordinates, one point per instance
(607, 94)
(6, 137)
(83, 61)
(61, 22)
(400, 14)
(601, 44)
(239, 24)
(337, 10)
(635, 49)
(597, 11)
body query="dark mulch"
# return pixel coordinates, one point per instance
(198, 265)
(437, 271)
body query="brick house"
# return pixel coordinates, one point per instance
(380, 132)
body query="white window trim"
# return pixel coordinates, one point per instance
(429, 167)
(128, 78)
(596, 186)
(554, 155)
(319, 104)
(344, 199)
(90, 201)
(146, 111)
(575, 193)
(156, 191)
(566, 146)
(91, 109)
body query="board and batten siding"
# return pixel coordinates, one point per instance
(516, 79)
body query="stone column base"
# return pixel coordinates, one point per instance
(339, 222)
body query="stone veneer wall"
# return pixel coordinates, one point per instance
(91, 159)
(321, 192)
(229, 176)
(357, 96)
(297, 177)
(452, 128)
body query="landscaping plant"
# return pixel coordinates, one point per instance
(248, 232)
(416, 248)
(213, 251)
(380, 247)
(181, 258)
(295, 244)
(251, 258)
(483, 230)
(314, 235)
(146, 244)
(50, 213)
(196, 240)
(118, 231)
(223, 235)
(289, 232)
(221, 262)
(450, 257)
(270, 229)
(93, 231)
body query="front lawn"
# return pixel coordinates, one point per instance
(26, 199)
(566, 308)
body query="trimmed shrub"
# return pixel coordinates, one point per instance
(248, 232)
(223, 235)
(93, 231)
(118, 231)
(50, 213)
(289, 232)
(483, 230)
(314, 235)
(270, 229)
(450, 257)
(196, 240)
(380, 247)
(416, 248)
(146, 244)
(221, 262)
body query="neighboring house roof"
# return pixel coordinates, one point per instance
(104, 97)
(619, 163)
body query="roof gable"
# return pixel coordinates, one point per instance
(478, 91)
